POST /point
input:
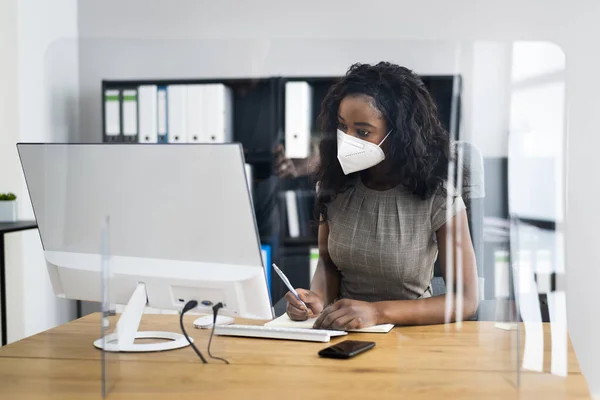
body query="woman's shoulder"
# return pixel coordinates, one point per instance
(446, 202)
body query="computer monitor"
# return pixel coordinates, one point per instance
(182, 225)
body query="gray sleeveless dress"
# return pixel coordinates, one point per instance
(383, 242)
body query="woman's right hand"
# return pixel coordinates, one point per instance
(296, 311)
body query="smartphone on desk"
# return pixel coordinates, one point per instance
(346, 349)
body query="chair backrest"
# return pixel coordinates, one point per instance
(472, 190)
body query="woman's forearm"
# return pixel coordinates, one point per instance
(423, 311)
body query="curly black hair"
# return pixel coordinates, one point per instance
(419, 146)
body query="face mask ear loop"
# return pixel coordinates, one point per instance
(386, 136)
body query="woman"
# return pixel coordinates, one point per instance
(382, 200)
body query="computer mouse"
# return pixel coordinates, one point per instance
(207, 321)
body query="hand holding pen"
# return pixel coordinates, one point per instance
(302, 304)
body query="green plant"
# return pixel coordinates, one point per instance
(7, 197)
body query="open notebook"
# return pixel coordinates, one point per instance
(285, 322)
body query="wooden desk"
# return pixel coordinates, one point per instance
(430, 362)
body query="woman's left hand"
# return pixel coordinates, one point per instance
(348, 314)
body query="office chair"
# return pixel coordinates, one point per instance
(473, 194)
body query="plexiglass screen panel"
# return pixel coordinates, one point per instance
(433, 173)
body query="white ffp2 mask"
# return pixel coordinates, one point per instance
(356, 154)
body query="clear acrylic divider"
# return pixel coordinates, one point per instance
(108, 338)
(492, 80)
(536, 171)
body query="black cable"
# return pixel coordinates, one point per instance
(188, 306)
(215, 312)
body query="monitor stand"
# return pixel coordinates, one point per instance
(122, 340)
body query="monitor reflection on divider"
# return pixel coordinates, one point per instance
(181, 223)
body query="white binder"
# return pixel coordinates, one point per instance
(298, 119)
(148, 123)
(194, 114)
(163, 133)
(217, 113)
(177, 113)
(291, 205)
(112, 113)
(130, 115)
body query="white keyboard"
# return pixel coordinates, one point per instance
(266, 332)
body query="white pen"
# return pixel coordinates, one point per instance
(288, 284)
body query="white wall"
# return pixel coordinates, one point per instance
(9, 124)
(9, 96)
(36, 113)
(489, 102)
(572, 26)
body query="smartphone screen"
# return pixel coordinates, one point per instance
(346, 349)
